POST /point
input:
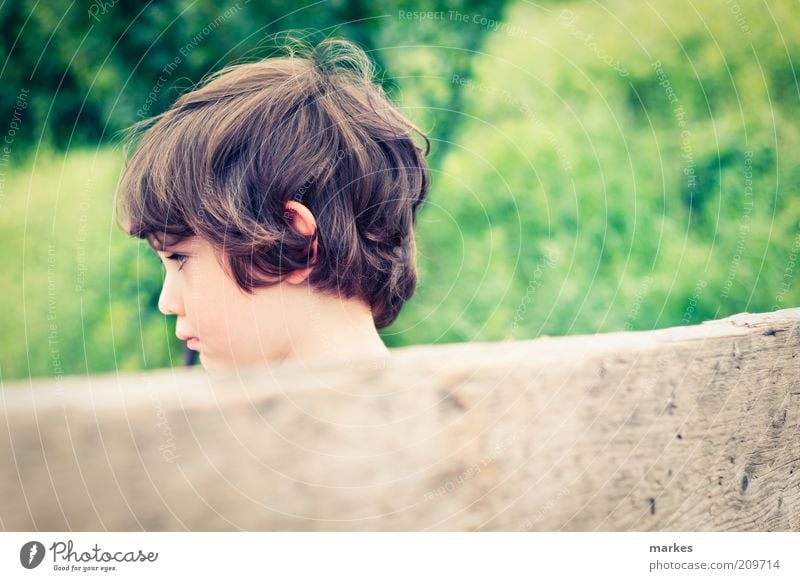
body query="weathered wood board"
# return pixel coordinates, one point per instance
(690, 428)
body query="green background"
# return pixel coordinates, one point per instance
(594, 167)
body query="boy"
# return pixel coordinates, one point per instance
(281, 196)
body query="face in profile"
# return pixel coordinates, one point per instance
(228, 327)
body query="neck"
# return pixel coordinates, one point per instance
(337, 330)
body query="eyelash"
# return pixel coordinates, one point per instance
(181, 258)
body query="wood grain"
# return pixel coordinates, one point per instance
(690, 429)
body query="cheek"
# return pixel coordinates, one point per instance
(238, 313)
(224, 310)
(205, 300)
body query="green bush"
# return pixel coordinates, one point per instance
(572, 143)
(611, 167)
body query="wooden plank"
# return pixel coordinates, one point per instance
(690, 428)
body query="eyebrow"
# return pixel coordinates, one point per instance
(160, 247)
(157, 244)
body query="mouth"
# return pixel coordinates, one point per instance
(191, 342)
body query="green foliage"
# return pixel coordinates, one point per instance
(93, 67)
(616, 166)
(81, 296)
(660, 212)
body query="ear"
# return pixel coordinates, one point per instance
(301, 219)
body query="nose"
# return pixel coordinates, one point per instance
(170, 302)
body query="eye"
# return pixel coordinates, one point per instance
(179, 258)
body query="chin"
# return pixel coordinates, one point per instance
(212, 366)
(208, 365)
(231, 363)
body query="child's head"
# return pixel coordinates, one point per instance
(285, 178)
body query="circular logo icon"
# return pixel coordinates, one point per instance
(31, 554)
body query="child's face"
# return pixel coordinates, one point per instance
(231, 328)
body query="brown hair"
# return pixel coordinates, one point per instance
(223, 161)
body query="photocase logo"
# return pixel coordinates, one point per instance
(31, 554)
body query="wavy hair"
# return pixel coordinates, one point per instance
(310, 126)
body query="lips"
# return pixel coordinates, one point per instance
(192, 343)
